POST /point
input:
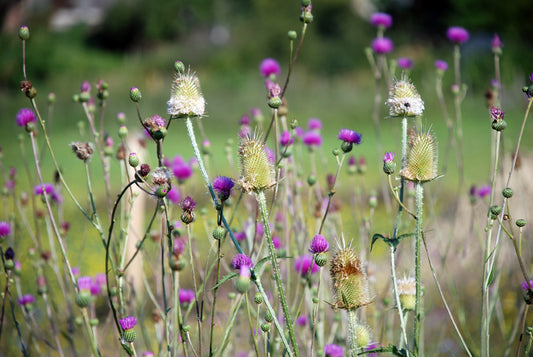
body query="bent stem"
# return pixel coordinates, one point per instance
(261, 200)
(397, 297)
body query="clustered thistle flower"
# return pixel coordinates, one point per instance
(160, 179)
(382, 45)
(188, 205)
(388, 163)
(457, 34)
(405, 63)
(5, 229)
(186, 296)
(497, 115)
(270, 67)
(186, 97)
(25, 116)
(421, 161)
(223, 185)
(349, 138)
(350, 284)
(381, 19)
(404, 100)
(257, 171)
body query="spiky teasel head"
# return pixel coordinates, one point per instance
(422, 158)
(186, 97)
(407, 293)
(350, 284)
(257, 172)
(404, 100)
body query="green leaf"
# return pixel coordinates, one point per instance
(224, 279)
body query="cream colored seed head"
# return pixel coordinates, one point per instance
(257, 173)
(186, 97)
(404, 100)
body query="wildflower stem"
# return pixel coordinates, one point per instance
(331, 192)
(352, 332)
(399, 200)
(196, 292)
(254, 339)
(397, 296)
(291, 65)
(192, 137)
(419, 197)
(215, 293)
(261, 200)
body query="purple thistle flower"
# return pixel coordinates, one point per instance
(405, 63)
(85, 282)
(331, 350)
(5, 229)
(181, 169)
(173, 195)
(240, 260)
(371, 346)
(388, 157)
(100, 279)
(298, 131)
(349, 136)
(483, 191)
(441, 65)
(276, 241)
(305, 265)
(319, 244)
(256, 112)
(312, 138)
(160, 122)
(188, 204)
(186, 296)
(26, 299)
(25, 116)
(496, 42)
(525, 284)
(286, 139)
(240, 236)
(274, 90)
(127, 323)
(381, 19)
(47, 188)
(352, 161)
(301, 320)
(457, 34)
(314, 124)
(96, 289)
(244, 272)
(269, 66)
(245, 120)
(179, 246)
(75, 271)
(496, 113)
(223, 186)
(85, 86)
(382, 45)
(270, 154)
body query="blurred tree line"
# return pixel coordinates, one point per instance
(234, 35)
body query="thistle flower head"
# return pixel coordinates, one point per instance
(331, 350)
(312, 138)
(186, 97)
(457, 34)
(83, 151)
(128, 323)
(26, 299)
(305, 265)
(314, 124)
(349, 136)
(223, 186)
(5, 229)
(47, 188)
(407, 293)
(85, 282)
(405, 63)
(441, 65)
(257, 172)
(186, 296)
(381, 19)
(421, 165)
(319, 244)
(269, 66)
(25, 116)
(404, 99)
(350, 284)
(241, 260)
(382, 45)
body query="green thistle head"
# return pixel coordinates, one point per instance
(186, 97)
(350, 284)
(422, 158)
(404, 100)
(257, 173)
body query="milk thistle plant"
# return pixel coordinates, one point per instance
(136, 257)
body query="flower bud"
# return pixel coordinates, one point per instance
(292, 35)
(83, 298)
(274, 102)
(84, 97)
(123, 131)
(219, 233)
(258, 298)
(135, 94)
(499, 125)
(24, 33)
(321, 259)
(507, 192)
(179, 66)
(268, 316)
(265, 327)
(520, 222)
(495, 210)
(311, 180)
(133, 160)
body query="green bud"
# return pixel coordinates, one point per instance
(321, 259)
(78, 321)
(292, 35)
(76, 98)
(274, 102)
(133, 160)
(84, 97)
(315, 300)
(346, 147)
(24, 33)
(499, 125)
(388, 167)
(265, 327)
(232, 295)
(31, 93)
(520, 222)
(9, 264)
(187, 217)
(103, 94)
(507, 192)
(311, 180)
(243, 284)
(306, 17)
(187, 328)
(268, 316)
(94, 322)
(373, 201)
(135, 94)
(161, 191)
(123, 132)
(495, 210)
(219, 233)
(258, 298)
(83, 298)
(179, 66)
(51, 98)
(336, 151)
(129, 335)
(306, 3)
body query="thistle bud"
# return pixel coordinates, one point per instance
(265, 327)
(133, 160)
(179, 66)
(135, 94)
(219, 233)
(350, 284)
(24, 33)
(292, 35)
(258, 298)
(507, 192)
(520, 222)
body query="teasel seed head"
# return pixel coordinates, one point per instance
(257, 173)
(186, 97)
(407, 293)
(404, 100)
(422, 158)
(350, 284)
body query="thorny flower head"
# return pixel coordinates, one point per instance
(496, 113)
(188, 204)
(381, 19)
(314, 124)
(186, 97)
(257, 171)
(83, 151)
(223, 186)
(441, 65)
(27, 299)
(312, 138)
(349, 136)
(404, 99)
(422, 158)
(186, 296)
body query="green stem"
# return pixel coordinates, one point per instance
(352, 332)
(261, 200)
(196, 292)
(397, 296)
(419, 197)
(211, 351)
